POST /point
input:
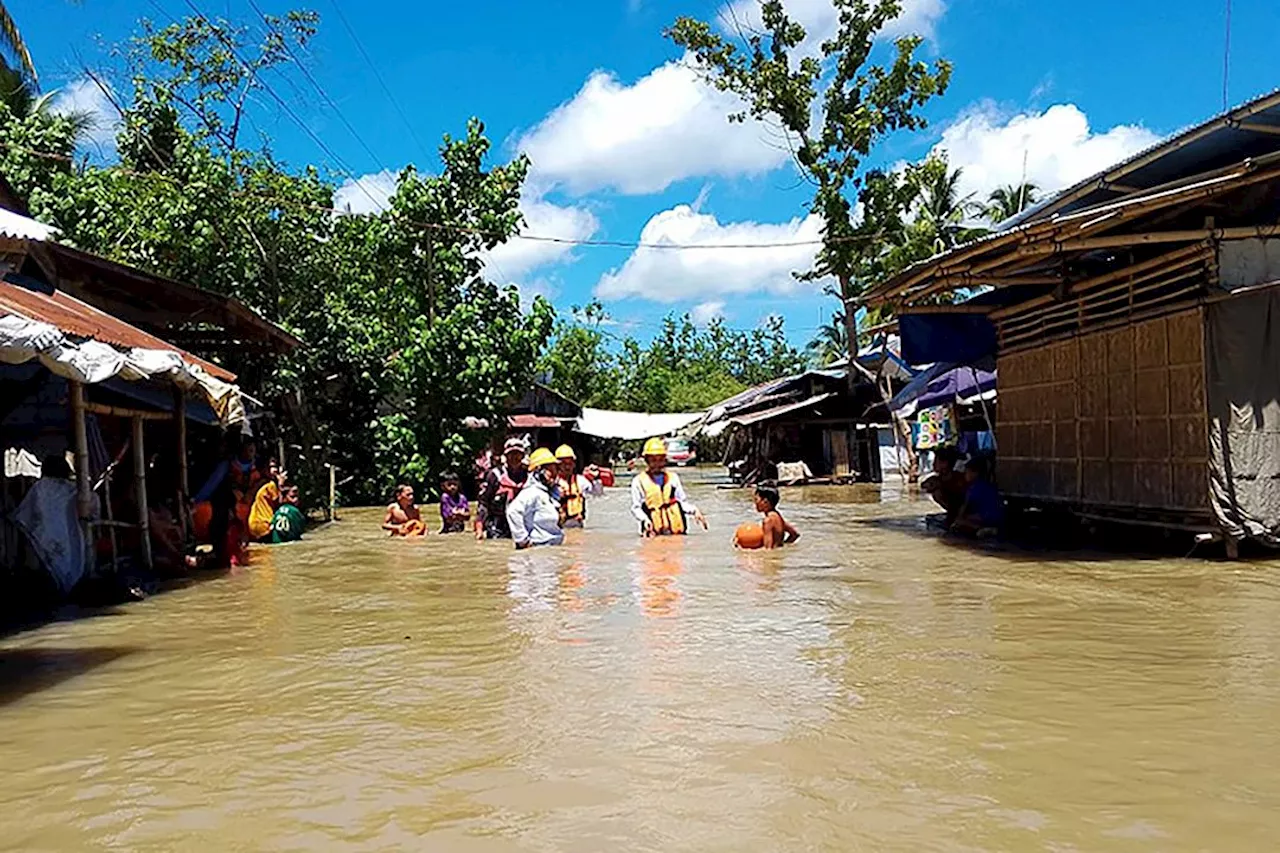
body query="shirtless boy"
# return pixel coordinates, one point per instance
(403, 517)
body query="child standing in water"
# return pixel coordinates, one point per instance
(403, 517)
(455, 511)
(774, 531)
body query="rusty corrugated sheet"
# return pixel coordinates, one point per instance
(81, 320)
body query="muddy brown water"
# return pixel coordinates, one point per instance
(871, 688)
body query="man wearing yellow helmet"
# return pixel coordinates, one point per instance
(534, 515)
(658, 500)
(574, 488)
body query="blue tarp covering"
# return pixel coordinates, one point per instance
(942, 384)
(950, 338)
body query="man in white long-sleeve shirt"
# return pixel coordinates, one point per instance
(658, 499)
(534, 515)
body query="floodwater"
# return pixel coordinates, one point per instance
(871, 688)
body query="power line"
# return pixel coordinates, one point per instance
(323, 94)
(1226, 62)
(378, 76)
(231, 49)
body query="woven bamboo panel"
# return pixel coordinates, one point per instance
(1113, 417)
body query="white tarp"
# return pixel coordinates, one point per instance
(632, 426)
(91, 362)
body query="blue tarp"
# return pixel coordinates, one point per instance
(953, 338)
(942, 384)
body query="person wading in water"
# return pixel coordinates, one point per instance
(534, 515)
(658, 500)
(501, 485)
(574, 487)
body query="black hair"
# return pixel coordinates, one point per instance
(980, 465)
(947, 454)
(770, 495)
(449, 477)
(55, 466)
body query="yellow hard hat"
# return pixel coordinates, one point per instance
(541, 458)
(564, 451)
(655, 447)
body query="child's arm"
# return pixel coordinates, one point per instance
(387, 523)
(790, 534)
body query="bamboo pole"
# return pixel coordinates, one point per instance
(111, 518)
(184, 485)
(333, 494)
(123, 412)
(84, 492)
(140, 489)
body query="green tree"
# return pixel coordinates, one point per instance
(1008, 201)
(578, 363)
(831, 343)
(859, 104)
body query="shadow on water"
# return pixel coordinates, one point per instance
(1065, 542)
(27, 671)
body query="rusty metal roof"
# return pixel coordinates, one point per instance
(79, 319)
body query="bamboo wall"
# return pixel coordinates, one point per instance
(1112, 418)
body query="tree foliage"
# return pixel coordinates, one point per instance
(836, 106)
(683, 368)
(404, 339)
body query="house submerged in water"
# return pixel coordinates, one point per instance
(1133, 318)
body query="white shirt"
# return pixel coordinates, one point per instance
(534, 516)
(677, 492)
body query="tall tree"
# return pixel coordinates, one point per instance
(856, 103)
(1008, 201)
(831, 343)
(942, 208)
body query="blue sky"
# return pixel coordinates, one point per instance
(628, 145)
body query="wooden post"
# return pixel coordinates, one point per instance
(111, 517)
(140, 489)
(84, 489)
(333, 494)
(184, 484)
(280, 452)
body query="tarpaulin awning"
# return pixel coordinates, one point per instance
(533, 422)
(23, 339)
(944, 383)
(957, 338)
(779, 411)
(632, 426)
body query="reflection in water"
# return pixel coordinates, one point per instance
(871, 688)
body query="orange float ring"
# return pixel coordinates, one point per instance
(750, 535)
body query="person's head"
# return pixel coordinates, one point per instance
(404, 495)
(273, 468)
(944, 460)
(513, 454)
(55, 467)
(289, 494)
(567, 460)
(449, 483)
(766, 498)
(543, 466)
(655, 455)
(248, 449)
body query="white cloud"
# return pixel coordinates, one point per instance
(821, 20)
(704, 312)
(85, 97)
(673, 275)
(542, 219)
(1059, 146)
(371, 194)
(641, 138)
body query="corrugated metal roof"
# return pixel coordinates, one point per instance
(533, 422)
(770, 414)
(24, 227)
(81, 320)
(1219, 142)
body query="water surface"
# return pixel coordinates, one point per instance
(871, 688)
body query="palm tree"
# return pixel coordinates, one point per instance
(11, 38)
(18, 93)
(831, 343)
(1007, 202)
(942, 207)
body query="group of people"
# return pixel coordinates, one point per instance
(971, 501)
(246, 500)
(532, 498)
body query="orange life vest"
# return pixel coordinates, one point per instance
(660, 504)
(573, 507)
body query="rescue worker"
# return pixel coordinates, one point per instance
(500, 487)
(533, 516)
(574, 488)
(658, 500)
